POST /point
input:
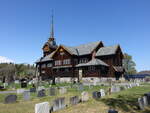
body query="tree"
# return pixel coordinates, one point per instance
(129, 64)
(7, 72)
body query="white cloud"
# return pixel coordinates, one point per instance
(5, 60)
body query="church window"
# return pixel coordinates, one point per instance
(66, 61)
(57, 62)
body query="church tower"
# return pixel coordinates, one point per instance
(50, 45)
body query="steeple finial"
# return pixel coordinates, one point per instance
(52, 26)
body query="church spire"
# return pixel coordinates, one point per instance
(52, 27)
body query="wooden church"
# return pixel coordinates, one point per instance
(91, 60)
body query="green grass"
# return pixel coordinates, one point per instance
(124, 101)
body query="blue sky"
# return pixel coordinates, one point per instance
(25, 26)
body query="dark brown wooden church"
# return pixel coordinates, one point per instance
(91, 60)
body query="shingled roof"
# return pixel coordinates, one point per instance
(109, 50)
(93, 62)
(46, 58)
(83, 49)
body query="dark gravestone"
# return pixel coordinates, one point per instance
(32, 90)
(96, 95)
(41, 93)
(52, 92)
(23, 83)
(112, 111)
(148, 97)
(58, 104)
(141, 103)
(10, 99)
(74, 100)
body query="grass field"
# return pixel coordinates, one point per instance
(124, 101)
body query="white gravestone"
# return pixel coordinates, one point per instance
(20, 91)
(145, 101)
(42, 107)
(102, 92)
(62, 90)
(84, 96)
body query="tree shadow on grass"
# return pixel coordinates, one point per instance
(127, 103)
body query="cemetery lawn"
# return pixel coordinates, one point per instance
(124, 101)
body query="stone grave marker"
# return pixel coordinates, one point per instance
(96, 95)
(40, 88)
(137, 84)
(32, 90)
(80, 87)
(52, 91)
(145, 101)
(113, 89)
(10, 99)
(17, 82)
(62, 90)
(84, 96)
(141, 103)
(58, 104)
(41, 93)
(74, 100)
(42, 107)
(26, 95)
(5, 84)
(20, 91)
(102, 92)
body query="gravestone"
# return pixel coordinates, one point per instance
(20, 91)
(148, 97)
(80, 87)
(74, 100)
(26, 95)
(102, 92)
(145, 101)
(23, 83)
(17, 82)
(42, 107)
(141, 103)
(5, 84)
(32, 90)
(84, 96)
(52, 92)
(115, 89)
(41, 93)
(137, 84)
(40, 88)
(96, 95)
(10, 99)
(62, 90)
(58, 104)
